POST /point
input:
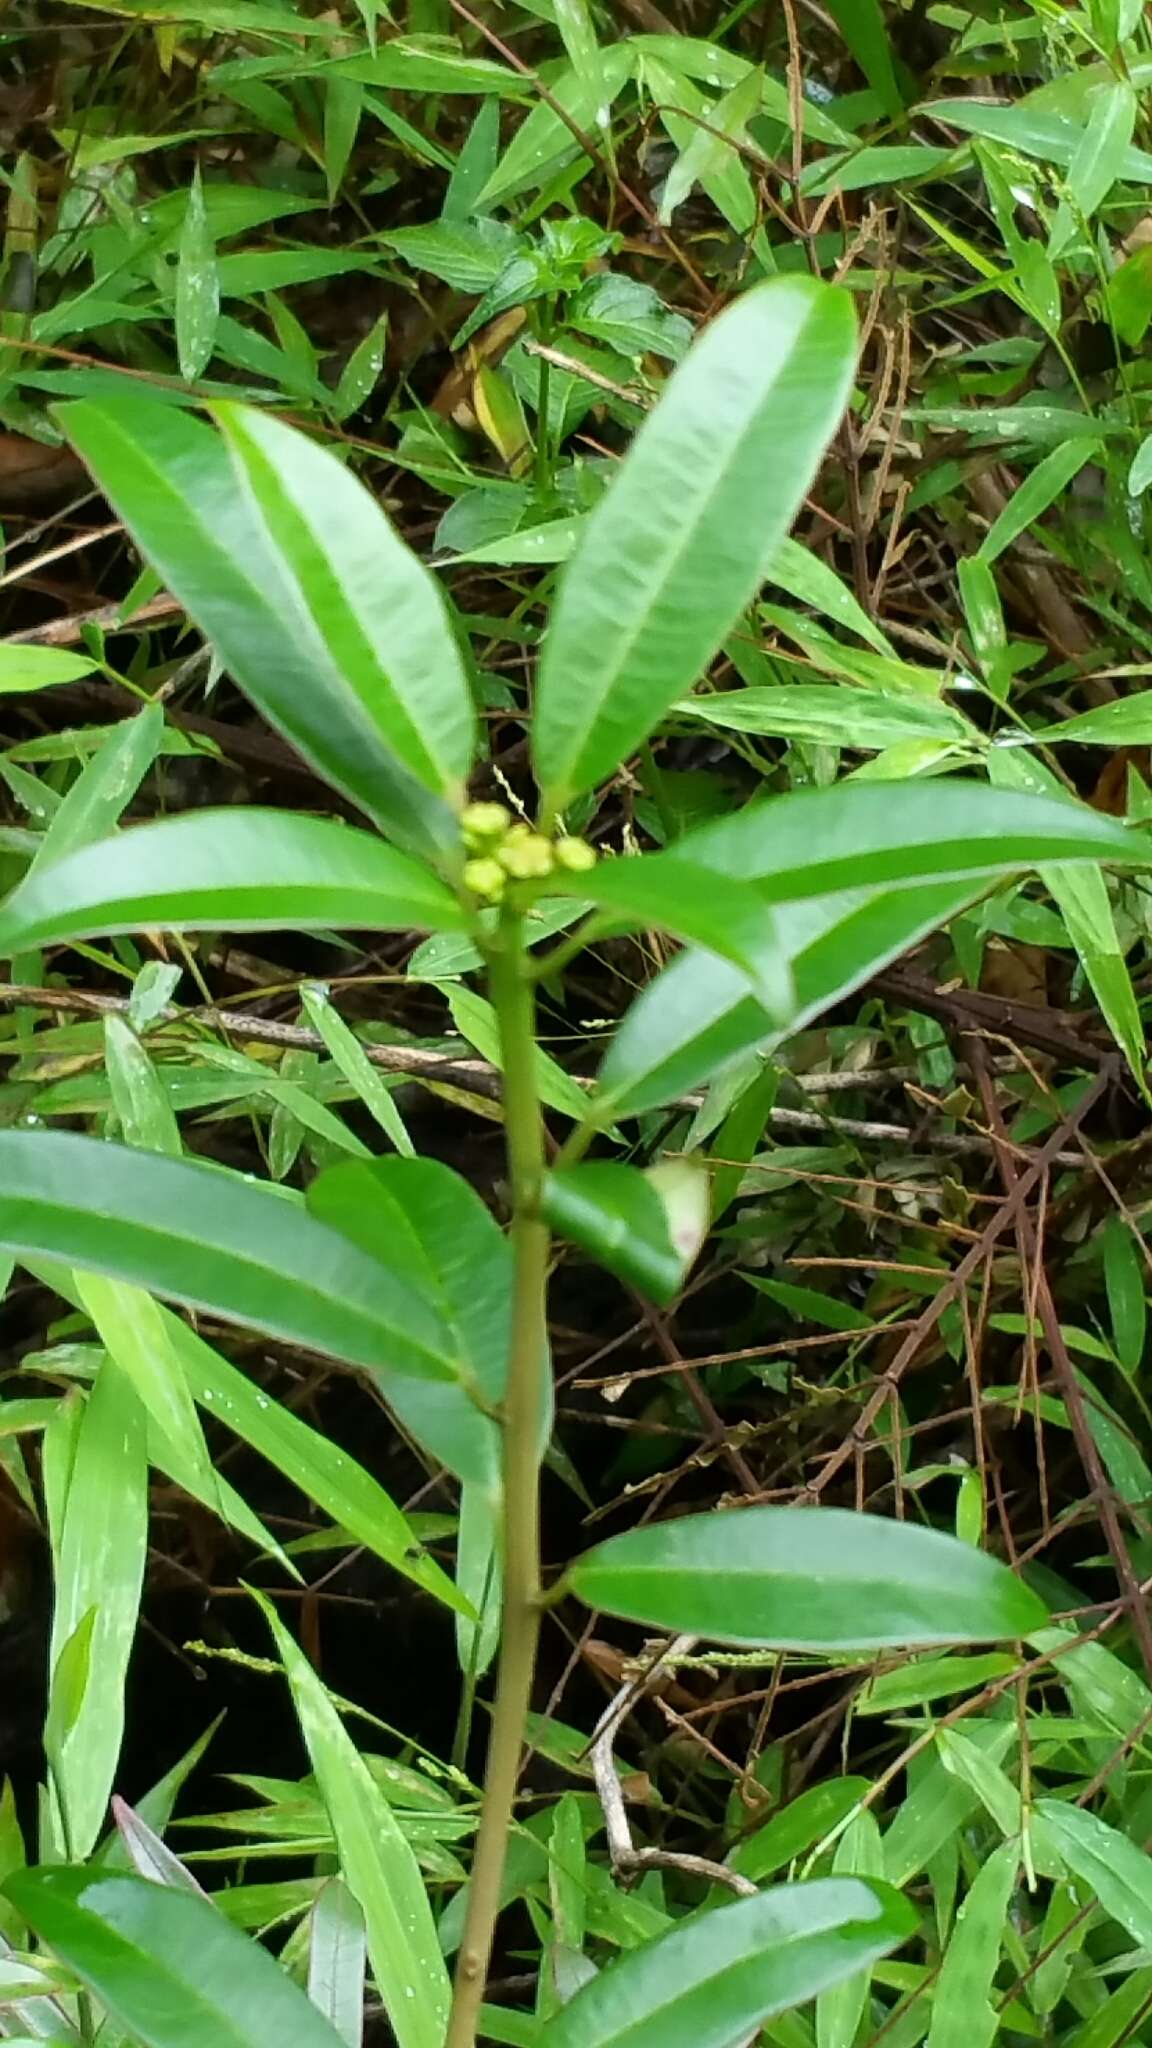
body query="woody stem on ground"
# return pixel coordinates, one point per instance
(511, 989)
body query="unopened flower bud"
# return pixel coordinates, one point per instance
(575, 854)
(483, 824)
(526, 859)
(485, 878)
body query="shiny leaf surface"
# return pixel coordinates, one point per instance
(227, 532)
(818, 1579)
(712, 1980)
(213, 1241)
(645, 1227)
(170, 1969)
(690, 526)
(240, 870)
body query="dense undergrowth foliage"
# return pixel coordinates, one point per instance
(575, 847)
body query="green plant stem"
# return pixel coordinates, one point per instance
(544, 478)
(512, 997)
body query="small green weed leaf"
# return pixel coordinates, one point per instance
(430, 64)
(247, 272)
(339, 636)
(963, 2011)
(169, 1969)
(343, 106)
(544, 142)
(984, 618)
(1124, 1279)
(808, 577)
(197, 287)
(574, 22)
(675, 895)
(229, 870)
(1114, 2024)
(711, 1981)
(697, 1015)
(1065, 1929)
(479, 1577)
(104, 787)
(690, 525)
(324, 1473)
(478, 158)
(862, 25)
(930, 1678)
(1140, 474)
(707, 156)
(475, 1020)
(645, 1227)
(362, 371)
(1126, 722)
(1115, 1870)
(148, 1854)
(629, 317)
(817, 1579)
(1129, 297)
(376, 1860)
(1099, 160)
(1081, 896)
(209, 1239)
(1035, 131)
(567, 1869)
(883, 164)
(799, 1826)
(133, 1331)
(713, 65)
(141, 1101)
(152, 991)
(936, 1808)
(840, 2009)
(356, 1067)
(99, 1544)
(467, 254)
(37, 668)
(830, 714)
(337, 1952)
(1041, 488)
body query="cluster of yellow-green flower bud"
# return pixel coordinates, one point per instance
(503, 850)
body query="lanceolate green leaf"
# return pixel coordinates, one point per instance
(1098, 162)
(228, 870)
(690, 525)
(806, 1579)
(169, 1968)
(963, 2010)
(214, 1241)
(99, 1544)
(699, 1012)
(712, 1980)
(231, 544)
(862, 833)
(1114, 1868)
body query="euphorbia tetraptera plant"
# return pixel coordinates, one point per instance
(342, 638)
